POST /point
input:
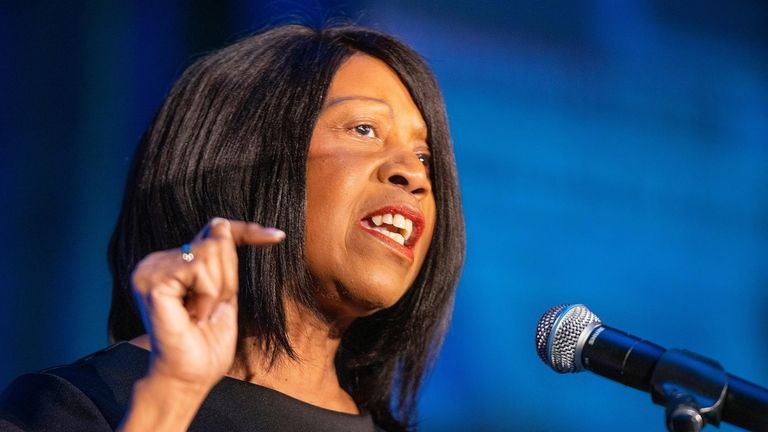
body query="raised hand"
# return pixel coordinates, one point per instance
(189, 309)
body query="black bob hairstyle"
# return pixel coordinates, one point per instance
(231, 140)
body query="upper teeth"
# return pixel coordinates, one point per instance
(396, 220)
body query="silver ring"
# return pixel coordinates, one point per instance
(186, 253)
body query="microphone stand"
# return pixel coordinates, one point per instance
(692, 388)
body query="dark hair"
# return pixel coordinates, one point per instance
(231, 140)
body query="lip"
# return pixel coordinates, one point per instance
(408, 211)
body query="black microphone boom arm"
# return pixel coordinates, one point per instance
(694, 389)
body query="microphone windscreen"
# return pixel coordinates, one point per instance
(560, 334)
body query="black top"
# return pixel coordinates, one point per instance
(93, 393)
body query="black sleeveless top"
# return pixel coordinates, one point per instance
(93, 394)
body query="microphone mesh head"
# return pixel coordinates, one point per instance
(544, 328)
(558, 333)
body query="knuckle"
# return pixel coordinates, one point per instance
(206, 290)
(216, 226)
(230, 290)
(142, 272)
(152, 270)
(211, 243)
(219, 221)
(214, 245)
(152, 297)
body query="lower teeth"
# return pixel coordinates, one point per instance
(394, 236)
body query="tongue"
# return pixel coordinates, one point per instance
(390, 228)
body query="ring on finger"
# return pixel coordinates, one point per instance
(186, 253)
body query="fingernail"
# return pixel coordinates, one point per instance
(221, 309)
(217, 220)
(274, 232)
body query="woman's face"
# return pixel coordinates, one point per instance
(370, 208)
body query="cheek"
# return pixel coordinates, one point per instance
(333, 187)
(422, 249)
(322, 189)
(431, 221)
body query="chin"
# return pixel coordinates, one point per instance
(364, 301)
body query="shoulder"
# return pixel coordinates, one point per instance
(42, 401)
(89, 394)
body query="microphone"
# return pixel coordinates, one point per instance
(696, 390)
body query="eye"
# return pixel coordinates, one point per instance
(365, 130)
(424, 158)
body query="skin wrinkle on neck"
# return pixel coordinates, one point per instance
(311, 377)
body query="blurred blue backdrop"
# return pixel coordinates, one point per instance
(613, 153)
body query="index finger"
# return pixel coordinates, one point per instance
(244, 233)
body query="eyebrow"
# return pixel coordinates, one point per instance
(342, 99)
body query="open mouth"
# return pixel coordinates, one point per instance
(400, 227)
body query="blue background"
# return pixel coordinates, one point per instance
(612, 153)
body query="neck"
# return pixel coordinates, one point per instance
(310, 375)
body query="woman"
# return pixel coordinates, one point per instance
(338, 137)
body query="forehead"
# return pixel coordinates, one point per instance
(364, 77)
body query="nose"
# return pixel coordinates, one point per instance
(405, 170)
